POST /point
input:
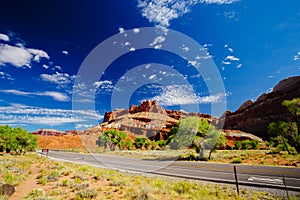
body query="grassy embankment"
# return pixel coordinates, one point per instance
(59, 180)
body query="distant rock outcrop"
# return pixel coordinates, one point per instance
(254, 117)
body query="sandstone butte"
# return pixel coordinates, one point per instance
(148, 119)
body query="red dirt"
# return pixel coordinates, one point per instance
(60, 142)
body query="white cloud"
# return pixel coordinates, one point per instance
(161, 12)
(158, 40)
(226, 63)
(4, 37)
(182, 95)
(194, 63)
(297, 56)
(232, 58)
(231, 15)
(38, 54)
(136, 30)
(55, 95)
(102, 87)
(100, 84)
(219, 1)
(22, 114)
(4, 75)
(58, 67)
(153, 76)
(239, 66)
(20, 56)
(132, 49)
(65, 52)
(45, 66)
(121, 30)
(186, 49)
(58, 78)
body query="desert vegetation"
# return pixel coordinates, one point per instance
(183, 135)
(60, 180)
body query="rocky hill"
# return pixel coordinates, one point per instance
(150, 120)
(254, 117)
(147, 119)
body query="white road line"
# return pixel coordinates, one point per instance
(268, 180)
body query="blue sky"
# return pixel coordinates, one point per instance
(44, 45)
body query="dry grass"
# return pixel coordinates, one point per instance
(59, 180)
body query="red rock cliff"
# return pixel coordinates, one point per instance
(254, 117)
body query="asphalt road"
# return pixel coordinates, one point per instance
(248, 175)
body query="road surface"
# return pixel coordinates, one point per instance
(248, 175)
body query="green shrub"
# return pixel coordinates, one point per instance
(141, 142)
(162, 143)
(238, 145)
(42, 181)
(9, 178)
(65, 183)
(154, 145)
(245, 144)
(182, 187)
(147, 144)
(237, 160)
(129, 144)
(254, 144)
(86, 194)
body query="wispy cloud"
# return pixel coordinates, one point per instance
(103, 87)
(65, 52)
(182, 95)
(231, 15)
(55, 95)
(58, 96)
(22, 114)
(4, 37)
(103, 84)
(162, 12)
(58, 78)
(297, 56)
(4, 75)
(20, 56)
(232, 58)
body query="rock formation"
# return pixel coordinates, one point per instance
(147, 119)
(254, 117)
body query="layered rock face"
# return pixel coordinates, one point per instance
(147, 119)
(254, 117)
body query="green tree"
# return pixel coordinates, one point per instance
(285, 133)
(293, 106)
(112, 138)
(212, 141)
(16, 140)
(183, 134)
